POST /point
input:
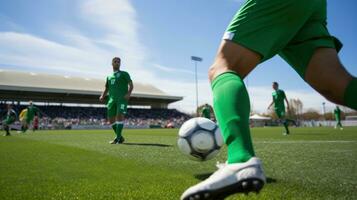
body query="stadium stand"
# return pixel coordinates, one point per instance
(47, 89)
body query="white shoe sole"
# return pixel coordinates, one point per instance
(244, 186)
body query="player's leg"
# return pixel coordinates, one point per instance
(113, 125)
(111, 113)
(282, 117)
(258, 31)
(230, 98)
(325, 66)
(339, 124)
(23, 122)
(119, 128)
(7, 130)
(121, 111)
(313, 54)
(232, 109)
(286, 126)
(27, 124)
(6, 127)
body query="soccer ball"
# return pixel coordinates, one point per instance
(200, 139)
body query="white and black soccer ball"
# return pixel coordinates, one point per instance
(200, 139)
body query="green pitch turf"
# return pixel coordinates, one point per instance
(311, 163)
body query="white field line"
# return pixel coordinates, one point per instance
(306, 142)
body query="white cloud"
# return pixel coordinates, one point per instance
(172, 70)
(28, 50)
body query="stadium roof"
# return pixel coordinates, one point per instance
(24, 86)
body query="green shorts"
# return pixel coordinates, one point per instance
(280, 113)
(117, 107)
(291, 28)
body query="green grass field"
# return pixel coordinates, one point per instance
(312, 163)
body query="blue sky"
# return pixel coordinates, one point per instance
(155, 39)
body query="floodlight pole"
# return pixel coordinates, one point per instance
(324, 110)
(196, 59)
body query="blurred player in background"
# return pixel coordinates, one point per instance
(10, 118)
(119, 87)
(35, 124)
(279, 106)
(31, 112)
(206, 111)
(337, 113)
(294, 29)
(22, 118)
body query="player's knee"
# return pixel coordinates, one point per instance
(216, 69)
(211, 73)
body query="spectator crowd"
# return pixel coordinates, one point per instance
(65, 117)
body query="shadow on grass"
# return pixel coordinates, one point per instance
(148, 144)
(206, 175)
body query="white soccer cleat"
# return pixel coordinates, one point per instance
(229, 179)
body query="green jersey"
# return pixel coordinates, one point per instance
(117, 84)
(206, 112)
(337, 113)
(31, 111)
(278, 98)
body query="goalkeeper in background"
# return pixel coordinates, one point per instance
(9, 119)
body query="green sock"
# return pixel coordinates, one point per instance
(232, 108)
(350, 97)
(119, 128)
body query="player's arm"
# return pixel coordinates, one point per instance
(287, 102)
(272, 102)
(130, 90)
(105, 92)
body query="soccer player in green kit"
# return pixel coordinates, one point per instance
(206, 111)
(32, 110)
(294, 29)
(119, 86)
(9, 119)
(337, 113)
(279, 106)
